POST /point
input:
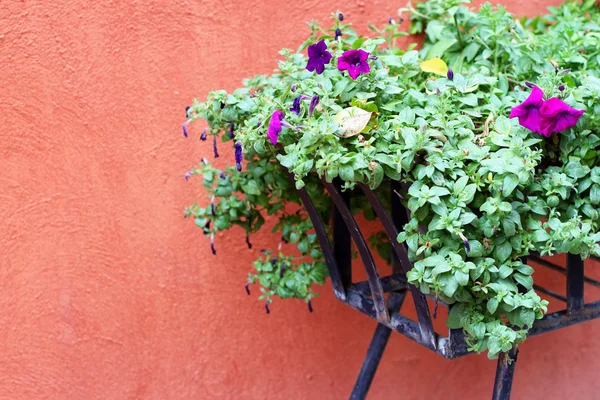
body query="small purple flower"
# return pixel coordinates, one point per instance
(212, 244)
(318, 56)
(187, 175)
(338, 34)
(313, 103)
(212, 206)
(340, 16)
(282, 270)
(275, 126)
(561, 88)
(184, 127)
(222, 175)
(391, 21)
(556, 116)
(450, 74)
(310, 309)
(295, 108)
(238, 155)
(267, 307)
(355, 62)
(528, 112)
(231, 128)
(216, 153)
(186, 111)
(247, 287)
(294, 86)
(203, 135)
(465, 242)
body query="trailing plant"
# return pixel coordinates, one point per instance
(500, 150)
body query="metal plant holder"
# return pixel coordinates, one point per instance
(369, 297)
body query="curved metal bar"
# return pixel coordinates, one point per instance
(328, 252)
(374, 283)
(423, 315)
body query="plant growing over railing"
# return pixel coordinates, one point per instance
(500, 151)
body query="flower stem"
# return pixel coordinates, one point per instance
(460, 41)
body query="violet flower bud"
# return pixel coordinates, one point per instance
(212, 244)
(230, 132)
(465, 242)
(247, 287)
(216, 153)
(187, 175)
(203, 135)
(529, 85)
(282, 270)
(338, 34)
(294, 86)
(391, 21)
(187, 108)
(561, 88)
(222, 175)
(313, 103)
(184, 127)
(450, 74)
(267, 307)
(248, 241)
(340, 16)
(204, 161)
(212, 206)
(310, 309)
(238, 155)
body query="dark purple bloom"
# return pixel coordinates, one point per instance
(267, 307)
(340, 16)
(561, 88)
(185, 129)
(231, 128)
(248, 241)
(450, 74)
(247, 287)
(222, 175)
(355, 62)
(338, 33)
(216, 153)
(212, 244)
(528, 112)
(391, 21)
(318, 56)
(203, 135)
(275, 126)
(556, 116)
(238, 155)
(310, 309)
(212, 206)
(282, 270)
(529, 85)
(313, 103)
(186, 111)
(187, 175)
(295, 108)
(294, 86)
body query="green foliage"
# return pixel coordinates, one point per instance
(476, 177)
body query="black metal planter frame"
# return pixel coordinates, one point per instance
(369, 297)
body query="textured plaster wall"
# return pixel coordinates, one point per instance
(106, 292)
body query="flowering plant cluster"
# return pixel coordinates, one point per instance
(493, 124)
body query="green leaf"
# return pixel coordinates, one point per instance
(525, 280)
(440, 47)
(502, 251)
(492, 305)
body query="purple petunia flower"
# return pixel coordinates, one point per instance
(556, 116)
(184, 127)
(275, 126)
(340, 16)
(203, 135)
(450, 74)
(318, 56)
(187, 175)
(238, 155)
(295, 108)
(187, 108)
(355, 62)
(231, 128)
(247, 288)
(313, 103)
(310, 308)
(293, 88)
(267, 307)
(222, 175)
(528, 112)
(561, 88)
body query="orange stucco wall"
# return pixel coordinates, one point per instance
(106, 292)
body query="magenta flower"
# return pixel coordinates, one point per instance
(318, 56)
(355, 62)
(528, 112)
(556, 116)
(275, 126)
